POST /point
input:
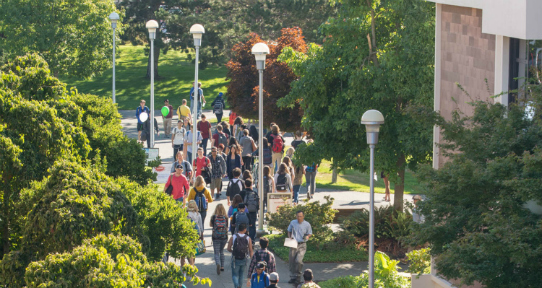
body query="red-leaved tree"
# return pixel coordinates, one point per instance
(243, 89)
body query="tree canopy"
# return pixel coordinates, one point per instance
(375, 55)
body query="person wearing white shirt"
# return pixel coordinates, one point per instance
(188, 143)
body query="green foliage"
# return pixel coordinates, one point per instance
(419, 261)
(319, 215)
(349, 74)
(476, 221)
(74, 37)
(386, 275)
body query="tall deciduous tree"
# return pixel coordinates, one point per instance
(376, 55)
(243, 89)
(73, 36)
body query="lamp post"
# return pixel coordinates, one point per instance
(152, 25)
(260, 50)
(372, 119)
(114, 17)
(197, 31)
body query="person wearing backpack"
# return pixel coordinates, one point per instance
(298, 180)
(283, 181)
(239, 217)
(179, 183)
(220, 137)
(201, 162)
(201, 196)
(177, 137)
(267, 153)
(276, 142)
(140, 124)
(233, 209)
(252, 202)
(239, 245)
(234, 185)
(194, 215)
(248, 147)
(262, 255)
(219, 223)
(298, 139)
(268, 184)
(218, 107)
(310, 179)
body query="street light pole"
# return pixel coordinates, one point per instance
(114, 17)
(152, 25)
(372, 119)
(197, 31)
(260, 50)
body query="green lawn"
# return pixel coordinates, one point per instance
(176, 77)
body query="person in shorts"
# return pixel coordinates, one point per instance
(218, 170)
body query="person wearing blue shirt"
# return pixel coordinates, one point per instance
(259, 279)
(140, 125)
(201, 99)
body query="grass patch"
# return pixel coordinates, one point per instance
(314, 254)
(176, 76)
(353, 180)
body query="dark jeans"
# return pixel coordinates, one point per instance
(203, 215)
(176, 148)
(204, 145)
(219, 117)
(189, 156)
(252, 227)
(296, 193)
(247, 163)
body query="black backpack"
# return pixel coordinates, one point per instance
(233, 189)
(144, 135)
(266, 187)
(281, 182)
(200, 199)
(253, 132)
(240, 247)
(252, 201)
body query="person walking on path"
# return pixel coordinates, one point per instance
(177, 137)
(276, 142)
(195, 215)
(183, 112)
(386, 185)
(267, 153)
(202, 197)
(252, 202)
(234, 160)
(201, 162)
(218, 170)
(204, 127)
(283, 181)
(308, 276)
(262, 255)
(233, 210)
(188, 143)
(167, 120)
(219, 224)
(218, 107)
(298, 139)
(268, 183)
(240, 217)
(301, 231)
(219, 137)
(248, 147)
(140, 124)
(298, 180)
(179, 183)
(200, 101)
(310, 179)
(290, 165)
(239, 245)
(273, 280)
(147, 130)
(258, 279)
(187, 168)
(235, 186)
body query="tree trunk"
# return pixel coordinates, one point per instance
(400, 184)
(156, 56)
(334, 174)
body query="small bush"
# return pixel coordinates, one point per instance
(419, 261)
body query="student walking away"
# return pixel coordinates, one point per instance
(219, 224)
(298, 139)
(146, 134)
(177, 137)
(140, 124)
(200, 101)
(254, 133)
(259, 279)
(252, 202)
(167, 119)
(240, 246)
(187, 168)
(237, 129)
(188, 143)
(267, 153)
(183, 112)
(204, 127)
(235, 186)
(201, 196)
(195, 215)
(220, 137)
(202, 164)
(233, 160)
(262, 255)
(277, 145)
(179, 183)
(301, 231)
(233, 209)
(308, 277)
(218, 170)
(218, 107)
(288, 161)
(240, 217)
(226, 129)
(298, 180)
(268, 183)
(273, 280)
(283, 181)
(310, 179)
(386, 185)
(248, 147)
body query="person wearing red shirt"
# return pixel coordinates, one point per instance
(217, 136)
(180, 184)
(204, 127)
(200, 162)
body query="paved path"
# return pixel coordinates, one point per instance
(205, 263)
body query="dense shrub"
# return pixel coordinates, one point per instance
(419, 261)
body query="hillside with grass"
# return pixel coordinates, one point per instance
(176, 76)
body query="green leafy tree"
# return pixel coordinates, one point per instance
(375, 55)
(74, 37)
(476, 218)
